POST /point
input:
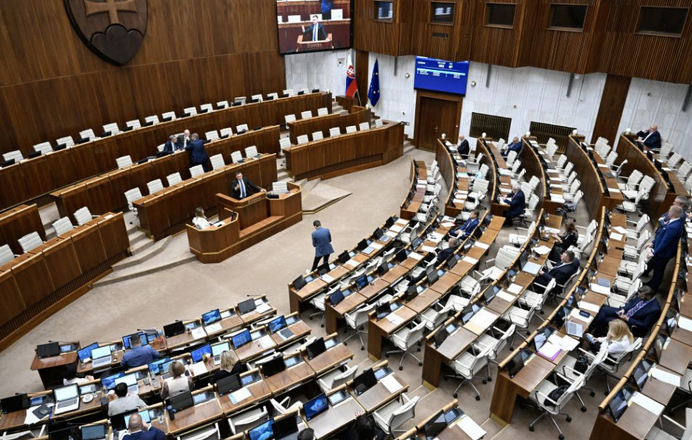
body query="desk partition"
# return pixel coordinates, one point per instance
(356, 115)
(17, 222)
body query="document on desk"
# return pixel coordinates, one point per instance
(266, 341)
(327, 278)
(198, 333)
(550, 350)
(553, 171)
(620, 230)
(436, 237)
(428, 248)
(614, 190)
(31, 418)
(600, 289)
(471, 428)
(394, 319)
(647, 403)
(415, 256)
(240, 395)
(198, 369)
(589, 307)
(352, 263)
(566, 342)
(447, 224)
(396, 228)
(390, 383)
(665, 376)
(483, 246)
(483, 318)
(552, 230)
(470, 260)
(615, 236)
(213, 328)
(542, 250)
(376, 246)
(264, 307)
(515, 288)
(505, 296)
(685, 323)
(391, 234)
(557, 198)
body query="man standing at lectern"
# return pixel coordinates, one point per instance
(243, 188)
(314, 32)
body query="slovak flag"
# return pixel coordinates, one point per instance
(351, 85)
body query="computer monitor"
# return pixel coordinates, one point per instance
(211, 317)
(490, 293)
(85, 352)
(383, 269)
(515, 364)
(127, 340)
(15, 403)
(641, 374)
(277, 324)
(155, 367)
(435, 425)
(285, 426)
(229, 384)
(432, 277)
(48, 350)
(146, 417)
(440, 336)
(241, 339)
(542, 337)
(94, 432)
(263, 431)
(198, 354)
(299, 283)
(315, 407)
(344, 257)
(390, 222)
(364, 381)
(246, 306)
(361, 282)
(618, 404)
(174, 329)
(468, 312)
(336, 297)
(101, 352)
(377, 233)
(316, 348)
(401, 256)
(411, 293)
(382, 311)
(181, 401)
(362, 244)
(274, 366)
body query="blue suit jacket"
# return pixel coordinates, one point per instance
(514, 147)
(170, 148)
(321, 33)
(645, 318)
(666, 239)
(517, 204)
(562, 272)
(467, 228)
(653, 141)
(322, 242)
(198, 155)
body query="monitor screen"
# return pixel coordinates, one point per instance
(516, 364)
(468, 312)
(323, 25)
(440, 336)
(85, 353)
(315, 407)
(241, 339)
(146, 417)
(542, 337)
(174, 329)
(361, 282)
(364, 381)
(277, 324)
(435, 425)
(490, 293)
(274, 366)
(219, 348)
(127, 340)
(198, 354)
(66, 393)
(155, 367)
(246, 306)
(263, 431)
(316, 348)
(285, 426)
(211, 317)
(641, 373)
(299, 283)
(441, 76)
(618, 405)
(15, 403)
(93, 432)
(336, 297)
(181, 401)
(432, 277)
(101, 352)
(229, 384)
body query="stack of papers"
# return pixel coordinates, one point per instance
(352, 263)
(198, 333)
(394, 319)
(615, 236)
(265, 307)
(515, 289)
(665, 376)
(647, 403)
(471, 428)
(447, 224)
(396, 228)
(588, 306)
(557, 198)
(620, 229)
(326, 278)
(600, 289)
(391, 234)
(391, 383)
(415, 256)
(198, 369)
(550, 350)
(213, 328)
(483, 318)
(376, 246)
(685, 323)
(566, 342)
(240, 395)
(542, 250)
(266, 341)
(481, 245)
(505, 296)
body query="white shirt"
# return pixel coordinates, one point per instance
(615, 348)
(201, 223)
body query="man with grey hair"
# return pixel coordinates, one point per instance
(664, 246)
(517, 204)
(198, 155)
(172, 145)
(680, 201)
(650, 138)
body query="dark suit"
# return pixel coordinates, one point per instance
(517, 204)
(170, 147)
(466, 229)
(322, 242)
(198, 155)
(512, 147)
(309, 32)
(640, 323)
(665, 246)
(651, 140)
(560, 272)
(463, 148)
(446, 253)
(181, 141)
(567, 241)
(250, 188)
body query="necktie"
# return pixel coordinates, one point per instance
(314, 33)
(635, 309)
(242, 189)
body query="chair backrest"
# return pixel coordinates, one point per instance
(415, 335)
(511, 157)
(574, 186)
(364, 126)
(169, 115)
(344, 377)
(222, 104)
(284, 143)
(240, 99)
(62, 225)
(236, 157)
(43, 147)
(67, 141)
(212, 135)
(133, 124)
(217, 161)
(322, 111)
(361, 316)
(290, 118)
(228, 131)
(568, 168)
(6, 254)
(611, 158)
(154, 119)
(112, 127)
(155, 186)
(317, 136)
(133, 195)
(279, 187)
(643, 238)
(334, 131)
(30, 241)
(82, 215)
(251, 151)
(302, 139)
(87, 134)
(561, 161)
(174, 179)
(242, 127)
(206, 108)
(635, 177)
(643, 221)
(197, 170)
(190, 111)
(534, 181)
(307, 114)
(406, 412)
(124, 162)
(272, 95)
(684, 170)
(351, 129)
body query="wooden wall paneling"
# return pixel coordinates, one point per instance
(33, 278)
(363, 75)
(610, 110)
(435, 40)
(493, 44)
(372, 35)
(11, 301)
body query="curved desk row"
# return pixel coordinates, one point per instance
(33, 178)
(16, 223)
(324, 123)
(107, 192)
(244, 223)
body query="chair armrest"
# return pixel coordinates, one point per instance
(565, 369)
(538, 393)
(487, 262)
(379, 418)
(680, 430)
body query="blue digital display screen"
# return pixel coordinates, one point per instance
(441, 76)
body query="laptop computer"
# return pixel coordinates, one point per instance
(48, 350)
(174, 329)
(211, 317)
(66, 399)
(15, 403)
(241, 339)
(316, 348)
(229, 384)
(219, 348)
(198, 354)
(101, 356)
(315, 407)
(274, 366)
(181, 401)
(246, 306)
(262, 432)
(336, 297)
(84, 353)
(285, 428)
(364, 381)
(94, 432)
(131, 381)
(299, 283)
(277, 324)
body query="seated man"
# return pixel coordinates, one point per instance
(468, 227)
(560, 272)
(463, 147)
(640, 314)
(650, 137)
(137, 429)
(139, 355)
(514, 146)
(172, 145)
(517, 204)
(122, 402)
(453, 244)
(242, 187)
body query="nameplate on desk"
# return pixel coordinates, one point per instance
(394, 319)
(515, 289)
(391, 383)
(240, 395)
(198, 333)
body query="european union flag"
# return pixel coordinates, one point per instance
(374, 92)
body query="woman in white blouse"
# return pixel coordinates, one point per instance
(200, 220)
(617, 341)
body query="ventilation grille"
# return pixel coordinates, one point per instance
(495, 127)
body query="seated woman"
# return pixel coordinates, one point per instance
(200, 220)
(178, 383)
(617, 341)
(569, 237)
(229, 366)
(70, 376)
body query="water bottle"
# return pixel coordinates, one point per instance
(171, 412)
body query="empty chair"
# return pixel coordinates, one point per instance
(241, 99)
(212, 135)
(217, 162)
(363, 126)
(66, 141)
(132, 196)
(174, 179)
(322, 111)
(30, 241)
(334, 131)
(435, 315)
(405, 339)
(190, 111)
(206, 108)
(357, 320)
(43, 147)
(133, 124)
(6, 254)
(284, 143)
(168, 116)
(160, 148)
(111, 128)
(155, 186)
(154, 119)
(336, 378)
(302, 139)
(62, 226)
(673, 160)
(13, 155)
(247, 419)
(87, 134)
(272, 95)
(82, 216)
(318, 302)
(468, 365)
(196, 171)
(289, 119)
(257, 98)
(222, 104)
(396, 413)
(552, 407)
(290, 92)
(226, 132)
(317, 136)
(684, 170)
(241, 128)
(236, 157)
(351, 129)
(251, 152)
(279, 187)
(124, 162)
(307, 114)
